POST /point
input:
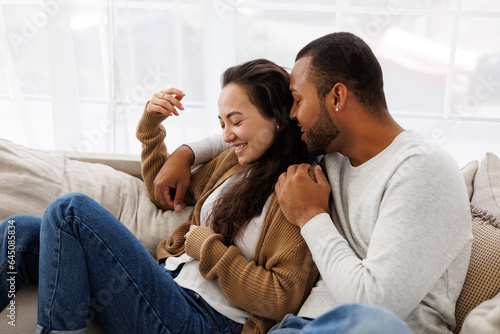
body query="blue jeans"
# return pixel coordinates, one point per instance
(345, 319)
(19, 251)
(91, 266)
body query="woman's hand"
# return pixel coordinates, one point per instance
(191, 229)
(197, 237)
(166, 102)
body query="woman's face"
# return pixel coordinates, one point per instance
(243, 126)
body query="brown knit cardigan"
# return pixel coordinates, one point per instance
(282, 273)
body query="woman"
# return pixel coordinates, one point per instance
(236, 265)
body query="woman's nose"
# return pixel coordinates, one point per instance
(228, 135)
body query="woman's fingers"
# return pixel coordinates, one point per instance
(166, 102)
(173, 91)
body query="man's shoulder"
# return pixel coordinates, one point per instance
(406, 145)
(415, 148)
(410, 155)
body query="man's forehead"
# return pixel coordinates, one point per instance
(299, 71)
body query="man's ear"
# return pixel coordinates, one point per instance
(337, 97)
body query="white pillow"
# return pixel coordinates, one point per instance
(484, 319)
(31, 179)
(469, 172)
(487, 185)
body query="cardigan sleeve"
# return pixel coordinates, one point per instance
(154, 152)
(279, 279)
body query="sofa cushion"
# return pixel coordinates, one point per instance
(31, 179)
(469, 172)
(483, 319)
(487, 185)
(482, 281)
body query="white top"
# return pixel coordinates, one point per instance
(400, 236)
(190, 277)
(484, 318)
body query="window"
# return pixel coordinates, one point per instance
(75, 74)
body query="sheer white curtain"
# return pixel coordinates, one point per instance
(75, 74)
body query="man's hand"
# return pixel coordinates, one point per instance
(300, 197)
(175, 175)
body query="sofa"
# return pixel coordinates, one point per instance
(30, 179)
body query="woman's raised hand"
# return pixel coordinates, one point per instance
(166, 102)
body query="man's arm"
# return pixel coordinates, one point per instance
(422, 227)
(208, 148)
(172, 181)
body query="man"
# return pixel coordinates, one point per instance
(395, 229)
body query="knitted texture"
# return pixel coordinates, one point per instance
(483, 276)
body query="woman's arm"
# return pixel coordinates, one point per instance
(154, 153)
(275, 283)
(151, 134)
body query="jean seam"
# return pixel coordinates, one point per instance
(212, 320)
(49, 311)
(233, 328)
(282, 322)
(21, 249)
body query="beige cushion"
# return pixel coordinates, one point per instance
(469, 172)
(482, 281)
(484, 319)
(487, 185)
(31, 179)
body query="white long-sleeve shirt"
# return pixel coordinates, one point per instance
(399, 234)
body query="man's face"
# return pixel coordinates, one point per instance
(311, 112)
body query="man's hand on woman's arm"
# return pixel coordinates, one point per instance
(176, 172)
(300, 197)
(174, 178)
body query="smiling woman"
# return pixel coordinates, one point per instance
(254, 117)
(247, 129)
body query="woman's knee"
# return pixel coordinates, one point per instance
(73, 211)
(71, 200)
(69, 205)
(21, 227)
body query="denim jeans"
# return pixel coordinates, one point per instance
(19, 251)
(345, 319)
(92, 266)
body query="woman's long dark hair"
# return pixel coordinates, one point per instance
(267, 87)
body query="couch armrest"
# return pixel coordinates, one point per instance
(127, 163)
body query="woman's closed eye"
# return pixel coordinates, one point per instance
(222, 126)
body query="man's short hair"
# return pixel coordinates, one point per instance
(342, 57)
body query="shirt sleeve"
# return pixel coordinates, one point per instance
(208, 148)
(422, 227)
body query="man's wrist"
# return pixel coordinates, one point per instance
(309, 216)
(187, 153)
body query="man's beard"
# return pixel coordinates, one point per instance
(322, 133)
